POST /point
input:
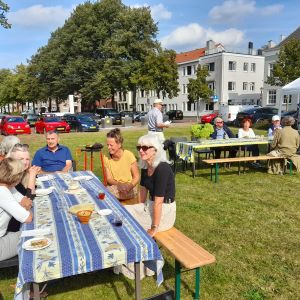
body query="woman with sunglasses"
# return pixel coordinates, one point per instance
(121, 168)
(157, 210)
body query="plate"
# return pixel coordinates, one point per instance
(83, 177)
(104, 212)
(45, 178)
(43, 192)
(44, 243)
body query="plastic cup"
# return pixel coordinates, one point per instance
(101, 196)
(84, 216)
(117, 221)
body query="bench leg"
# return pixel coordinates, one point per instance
(216, 172)
(291, 167)
(211, 172)
(197, 284)
(177, 280)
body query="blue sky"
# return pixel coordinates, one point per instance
(183, 24)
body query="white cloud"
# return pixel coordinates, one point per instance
(39, 16)
(158, 12)
(194, 36)
(233, 11)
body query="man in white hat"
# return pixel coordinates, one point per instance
(155, 120)
(275, 125)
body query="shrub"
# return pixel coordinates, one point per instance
(202, 131)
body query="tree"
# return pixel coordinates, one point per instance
(4, 8)
(287, 67)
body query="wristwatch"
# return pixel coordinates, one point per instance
(154, 227)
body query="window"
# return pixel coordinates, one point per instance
(211, 86)
(245, 67)
(209, 106)
(272, 97)
(194, 69)
(183, 71)
(142, 93)
(270, 70)
(211, 67)
(253, 67)
(183, 106)
(232, 66)
(184, 89)
(245, 86)
(189, 70)
(287, 99)
(231, 86)
(252, 86)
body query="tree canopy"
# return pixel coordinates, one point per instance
(4, 8)
(287, 67)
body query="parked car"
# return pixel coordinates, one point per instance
(45, 124)
(209, 118)
(1, 116)
(110, 112)
(31, 119)
(81, 122)
(91, 115)
(138, 115)
(127, 113)
(175, 114)
(14, 125)
(229, 112)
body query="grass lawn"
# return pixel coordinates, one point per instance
(249, 222)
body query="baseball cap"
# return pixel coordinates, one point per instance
(217, 120)
(276, 118)
(156, 101)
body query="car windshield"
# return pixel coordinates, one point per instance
(32, 117)
(250, 111)
(49, 120)
(112, 113)
(16, 120)
(85, 119)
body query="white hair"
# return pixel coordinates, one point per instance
(8, 143)
(154, 141)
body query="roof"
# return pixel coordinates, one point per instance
(190, 55)
(293, 35)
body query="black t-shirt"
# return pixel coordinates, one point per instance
(161, 183)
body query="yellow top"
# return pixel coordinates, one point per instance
(121, 169)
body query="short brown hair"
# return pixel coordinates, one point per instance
(115, 134)
(11, 171)
(247, 120)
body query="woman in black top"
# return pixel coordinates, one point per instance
(157, 210)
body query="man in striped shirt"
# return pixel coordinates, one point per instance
(155, 120)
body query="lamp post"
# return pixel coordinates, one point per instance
(261, 95)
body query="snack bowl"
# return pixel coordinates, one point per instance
(84, 216)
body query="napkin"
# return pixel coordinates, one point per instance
(36, 232)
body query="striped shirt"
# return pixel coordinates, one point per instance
(155, 117)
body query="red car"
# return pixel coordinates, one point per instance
(209, 118)
(51, 123)
(14, 125)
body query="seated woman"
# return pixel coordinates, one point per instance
(121, 168)
(11, 172)
(285, 143)
(275, 125)
(247, 132)
(7, 144)
(27, 185)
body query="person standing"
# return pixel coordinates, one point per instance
(53, 157)
(155, 120)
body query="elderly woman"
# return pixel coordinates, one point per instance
(247, 132)
(7, 144)
(285, 143)
(121, 168)
(157, 210)
(11, 172)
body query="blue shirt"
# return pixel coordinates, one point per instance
(220, 133)
(52, 161)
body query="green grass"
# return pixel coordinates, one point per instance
(249, 222)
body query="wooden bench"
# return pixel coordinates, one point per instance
(187, 254)
(215, 163)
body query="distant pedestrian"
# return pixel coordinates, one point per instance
(155, 120)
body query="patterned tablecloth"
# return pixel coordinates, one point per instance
(185, 150)
(78, 248)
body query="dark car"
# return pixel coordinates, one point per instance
(81, 122)
(110, 112)
(31, 119)
(91, 115)
(127, 113)
(175, 114)
(138, 115)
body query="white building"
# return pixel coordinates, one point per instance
(273, 94)
(235, 79)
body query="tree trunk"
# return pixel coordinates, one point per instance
(49, 104)
(134, 99)
(57, 104)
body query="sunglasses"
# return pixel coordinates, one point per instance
(20, 146)
(220, 122)
(144, 148)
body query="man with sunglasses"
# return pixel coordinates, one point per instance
(221, 131)
(155, 120)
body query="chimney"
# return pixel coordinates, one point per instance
(250, 48)
(210, 45)
(281, 38)
(259, 52)
(271, 44)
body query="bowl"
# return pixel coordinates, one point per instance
(84, 216)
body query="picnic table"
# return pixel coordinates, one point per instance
(78, 248)
(185, 150)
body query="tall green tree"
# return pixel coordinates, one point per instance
(4, 8)
(287, 67)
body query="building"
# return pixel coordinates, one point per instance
(271, 95)
(235, 78)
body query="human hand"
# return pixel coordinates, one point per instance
(152, 232)
(34, 170)
(26, 203)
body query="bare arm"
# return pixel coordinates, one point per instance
(68, 166)
(158, 202)
(29, 219)
(33, 171)
(143, 194)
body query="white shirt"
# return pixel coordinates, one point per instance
(10, 207)
(244, 134)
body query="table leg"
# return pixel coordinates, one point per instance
(36, 291)
(92, 161)
(85, 161)
(194, 168)
(137, 278)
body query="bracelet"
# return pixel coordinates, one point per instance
(154, 226)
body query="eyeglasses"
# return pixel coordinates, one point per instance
(144, 148)
(219, 122)
(18, 146)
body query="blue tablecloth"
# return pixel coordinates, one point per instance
(78, 248)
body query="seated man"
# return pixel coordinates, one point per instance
(53, 157)
(221, 131)
(275, 125)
